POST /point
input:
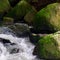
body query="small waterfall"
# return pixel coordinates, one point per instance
(20, 49)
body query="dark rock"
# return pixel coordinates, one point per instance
(20, 29)
(4, 41)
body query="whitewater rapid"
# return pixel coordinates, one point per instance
(23, 44)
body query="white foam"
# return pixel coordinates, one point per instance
(25, 49)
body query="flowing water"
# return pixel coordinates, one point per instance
(23, 45)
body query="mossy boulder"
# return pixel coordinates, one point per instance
(20, 10)
(4, 6)
(8, 20)
(30, 16)
(48, 18)
(48, 47)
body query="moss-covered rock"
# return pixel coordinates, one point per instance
(8, 21)
(4, 6)
(48, 18)
(48, 47)
(30, 16)
(20, 10)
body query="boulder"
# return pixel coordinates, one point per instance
(30, 16)
(8, 20)
(48, 47)
(20, 29)
(4, 7)
(20, 10)
(48, 18)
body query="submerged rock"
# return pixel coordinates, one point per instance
(12, 48)
(48, 47)
(48, 18)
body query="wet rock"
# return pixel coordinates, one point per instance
(12, 48)
(20, 29)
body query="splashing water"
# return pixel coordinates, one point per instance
(24, 46)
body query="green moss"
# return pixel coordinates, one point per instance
(30, 16)
(8, 20)
(48, 18)
(47, 48)
(4, 6)
(20, 10)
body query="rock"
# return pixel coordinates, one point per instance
(48, 47)
(48, 18)
(11, 47)
(4, 41)
(4, 7)
(30, 16)
(8, 21)
(20, 10)
(20, 29)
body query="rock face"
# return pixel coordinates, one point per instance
(48, 18)
(4, 6)
(48, 47)
(20, 10)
